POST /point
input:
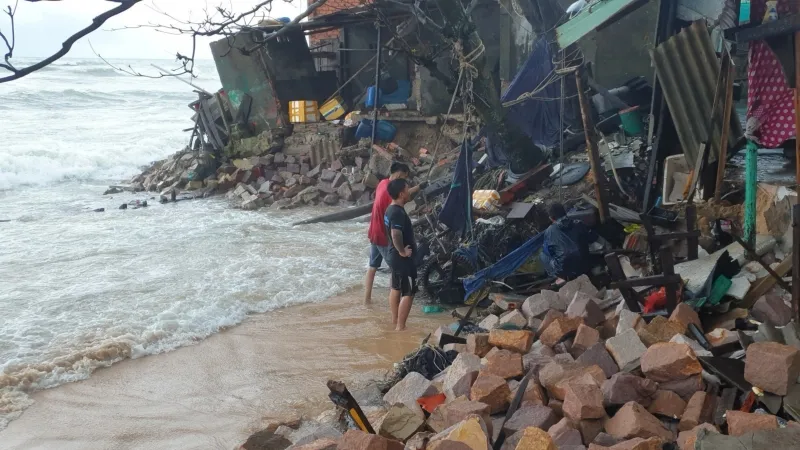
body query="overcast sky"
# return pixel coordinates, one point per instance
(42, 26)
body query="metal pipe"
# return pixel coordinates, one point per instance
(750, 188)
(377, 84)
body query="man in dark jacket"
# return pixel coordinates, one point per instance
(565, 252)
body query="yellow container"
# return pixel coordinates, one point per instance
(303, 111)
(333, 108)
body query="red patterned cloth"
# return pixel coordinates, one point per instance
(770, 100)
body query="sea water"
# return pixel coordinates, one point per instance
(81, 289)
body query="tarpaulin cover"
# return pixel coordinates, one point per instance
(457, 210)
(505, 267)
(539, 119)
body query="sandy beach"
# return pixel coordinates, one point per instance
(216, 393)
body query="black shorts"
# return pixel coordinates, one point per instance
(404, 281)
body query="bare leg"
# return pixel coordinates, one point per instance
(394, 304)
(404, 310)
(368, 282)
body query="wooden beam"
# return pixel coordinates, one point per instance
(722, 158)
(591, 148)
(761, 287)
(749, 250)
(655, 280)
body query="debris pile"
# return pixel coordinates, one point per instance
(287, 178)
(592, 377)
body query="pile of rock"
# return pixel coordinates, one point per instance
(283, 181)
(601, 378)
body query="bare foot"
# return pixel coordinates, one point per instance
(400, 329)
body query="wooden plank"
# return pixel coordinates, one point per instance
(588, 20)
(671, 289)
(765, 284)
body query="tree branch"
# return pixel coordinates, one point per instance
(97, 22)
(10, 46)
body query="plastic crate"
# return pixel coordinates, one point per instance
(303, 111)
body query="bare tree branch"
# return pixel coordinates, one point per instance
(97, 22)
(10, 46)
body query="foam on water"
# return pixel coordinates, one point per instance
(83, 290)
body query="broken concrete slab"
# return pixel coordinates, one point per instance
(660, 330)
(772, 367)
(633, 420)
(489, 322)
(667, 404)
(560, 328)
(686, 439)
(740, 423)
(598, 355)
(478, 344)
(624, 387)
(460, 375)
(585, 337)
(626, 349)
(584, 306)
(400, 423)
(686, 315)
(583, 400)
(538, 304)
(538, 416)
(772, 308)
(760, 440)
(407, 391)
(512, 319)
(581, 284)
(665, 361)
(448, 414)
(359, 440)
(503, 363)
(628, 320)
(519, 341)
(492, 390)
(697, 411)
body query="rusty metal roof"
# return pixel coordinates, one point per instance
(687, 68)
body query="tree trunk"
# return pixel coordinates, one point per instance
(521, 152)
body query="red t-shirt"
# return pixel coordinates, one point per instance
(377, 229)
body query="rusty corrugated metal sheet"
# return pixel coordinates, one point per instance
(241, 74)
(687, 68)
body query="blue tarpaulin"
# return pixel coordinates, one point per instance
(538, 118)
(505, 267)
(457, 210)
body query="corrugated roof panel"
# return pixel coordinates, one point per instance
(687, 68)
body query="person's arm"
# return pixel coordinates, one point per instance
(417, 188)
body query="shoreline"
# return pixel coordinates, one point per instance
(271, 367)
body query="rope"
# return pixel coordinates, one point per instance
(441, 130)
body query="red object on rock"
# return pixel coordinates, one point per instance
(431, 402)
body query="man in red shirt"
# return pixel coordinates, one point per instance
(378, 242)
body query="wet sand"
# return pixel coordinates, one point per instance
(214, 394)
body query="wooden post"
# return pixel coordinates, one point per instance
(377, 86)
(796, 104)
(668, 268)
(796, 263)
(591, 148)
(722, 158)
(691, 224)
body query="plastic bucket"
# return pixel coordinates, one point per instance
(631, 121)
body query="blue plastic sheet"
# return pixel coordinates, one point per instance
(457, 210)
(505, 267)
(538, 118)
